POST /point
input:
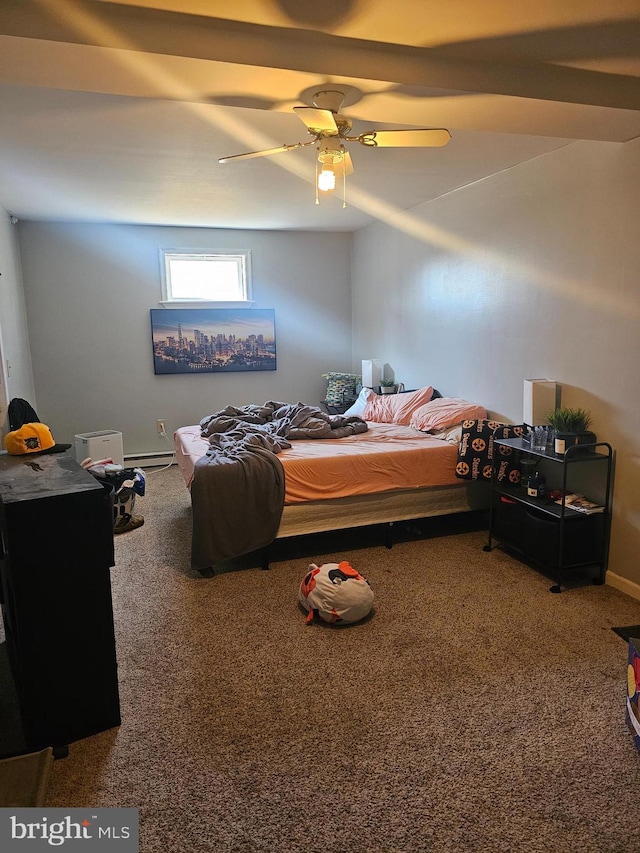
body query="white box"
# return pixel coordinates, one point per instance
(371, 372)
(103, 444)
(540, 397)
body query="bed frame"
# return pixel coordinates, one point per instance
(380, 508)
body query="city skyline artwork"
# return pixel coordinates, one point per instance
(213, 340)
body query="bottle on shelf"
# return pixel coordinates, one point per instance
(537, 485)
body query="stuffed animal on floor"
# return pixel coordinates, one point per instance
(336, 593)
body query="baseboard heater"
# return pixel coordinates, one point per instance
(149, 460)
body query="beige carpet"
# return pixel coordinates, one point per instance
(473, 711)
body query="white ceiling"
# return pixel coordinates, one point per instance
(119, 112)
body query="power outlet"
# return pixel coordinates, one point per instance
(162, 426)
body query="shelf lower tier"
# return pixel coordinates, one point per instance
(537, 535)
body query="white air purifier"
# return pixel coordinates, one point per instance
(103, 444)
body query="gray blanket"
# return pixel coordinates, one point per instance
(237, 492)
(282, 421)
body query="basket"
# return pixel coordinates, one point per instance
(124, 501)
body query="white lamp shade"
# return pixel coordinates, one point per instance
(540, 398)
(371, 372)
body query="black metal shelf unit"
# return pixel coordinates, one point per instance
(547, 533)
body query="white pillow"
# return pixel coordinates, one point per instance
(357, 408)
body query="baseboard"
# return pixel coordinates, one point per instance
(624, 585)
(160, 458)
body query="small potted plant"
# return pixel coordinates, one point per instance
(571, 426)
(387, 386)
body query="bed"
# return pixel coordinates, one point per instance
(401, 467)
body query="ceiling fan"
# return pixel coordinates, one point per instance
(330, 130)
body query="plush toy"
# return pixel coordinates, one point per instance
(336, 593)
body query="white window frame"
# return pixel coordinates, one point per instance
(242, 260)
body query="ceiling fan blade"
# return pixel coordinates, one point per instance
(428, 138)
(317, 121)
(264, 153)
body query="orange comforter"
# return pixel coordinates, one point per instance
(385, 458)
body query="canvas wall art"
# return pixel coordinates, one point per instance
(213, 340)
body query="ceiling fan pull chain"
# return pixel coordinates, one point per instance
(344, 187)
(316, 182)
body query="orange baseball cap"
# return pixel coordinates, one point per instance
(32, 438)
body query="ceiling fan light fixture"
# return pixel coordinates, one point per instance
(330, 153)
(327, 178)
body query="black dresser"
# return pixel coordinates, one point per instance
(56, 549)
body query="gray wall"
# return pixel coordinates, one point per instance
(530, 273)
(89, 289)
(14, 337)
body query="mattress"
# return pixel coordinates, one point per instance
(386, 458)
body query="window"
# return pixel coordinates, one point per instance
(205, 277)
